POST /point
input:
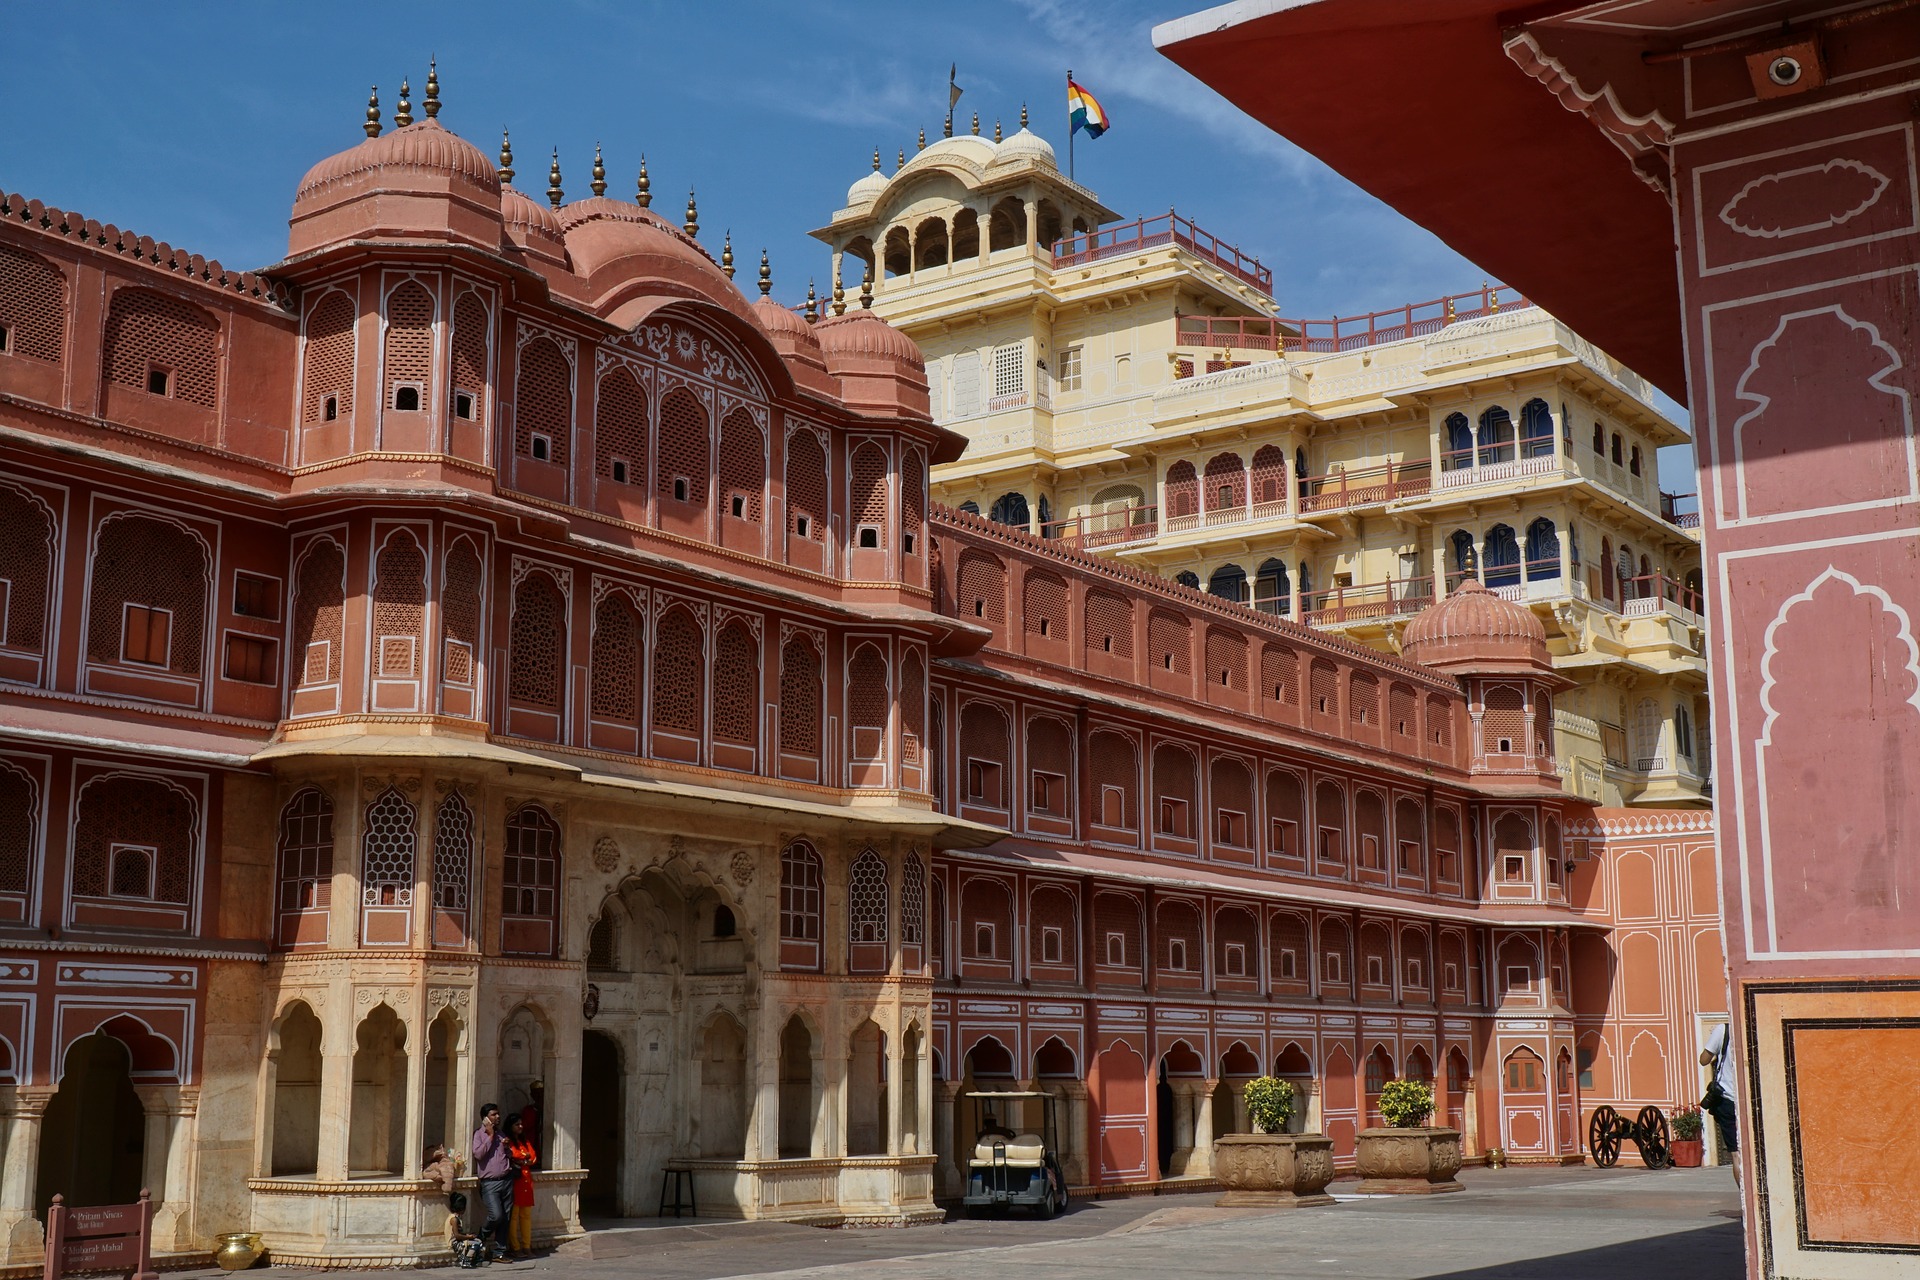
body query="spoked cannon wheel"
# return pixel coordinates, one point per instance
(1603, 1136)
(1655, 1139)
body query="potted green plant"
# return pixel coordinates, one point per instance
(1270, 1167)
(1688, 1150)
(1404, 1155)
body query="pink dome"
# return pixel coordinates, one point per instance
(533, 226)
(783, 322)
(1474, 628)
(421, 156)
(861, 333)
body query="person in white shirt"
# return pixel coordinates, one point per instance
(1723, 1091)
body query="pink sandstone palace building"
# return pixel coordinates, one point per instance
(487, 656)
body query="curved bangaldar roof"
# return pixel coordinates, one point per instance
(419, 181)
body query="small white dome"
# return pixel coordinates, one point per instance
(1026, 145)
(867, 190)
(965, 146)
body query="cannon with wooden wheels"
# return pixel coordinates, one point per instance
(1648, 1130)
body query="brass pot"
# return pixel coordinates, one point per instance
(237, 1250)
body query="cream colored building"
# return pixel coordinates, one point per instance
(1130, 389)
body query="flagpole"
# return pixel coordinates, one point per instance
(1070, 176)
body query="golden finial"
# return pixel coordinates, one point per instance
(923, 140)
(726, 254)
(373, 112)
(554, 194)
(1448, 319)
(692, 225)
(1493, 297)
(866, 290)
(432, 104)
(506, 157)
(1023, 115)
(876, 159)
(599, 183)
(813, 303)
(996, 131)
(643, 189)
(901, 161)
(766, 275)
(839, 295)
(402, 110)
(976, 124)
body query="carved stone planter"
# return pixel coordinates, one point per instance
(1408, 1162)
(1273, 1170)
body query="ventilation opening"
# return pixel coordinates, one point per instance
(680, 488)
(462, 405)
(1177, 955)
(1506, 745)
(5, 337)
(330, 411)
(542, 448)
(1516, 868)
(1376, 976)
(159, 380)
(132, 872)
(1106, 644)
(1288, 965)
(251, 660)
(907, 542)
(869, 536)
(983, 940)
(1225, 675)
(1117, 950)
(406, 399)
(619, 470)
(803, 526)
(1050, 945)
(740, 506)
(723, 923)
(1166, 660)
(979, 608)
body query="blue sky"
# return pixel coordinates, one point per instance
(192, 123)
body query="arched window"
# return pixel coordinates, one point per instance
(386, 871)
(869, 502)
(614, 673)
(1466, 560)
(1613, 448)
(460, 613)
(1607, 583)
(162, 346)
(679, 674)
(1114, 777)
(543, 403)
(913, 707)
(537, 643)
(1543, 549)
(1044, 599)
(1226, 487)
(1633, 460)
(452, 870)
(1682, 731)
(985, 748)
(1011, 509)
(980, 581)
(806, 486)
(1623, 567)
(736, 685)
(1459, 454)
(1647, 726)
(800, 694)
(800, 906)
(26, 565)
(913, 902)
(1536, 429)
(151, 817)
(682, 473)
(530, 884)
(1183, 491)
(1300, 477)
(148, 600)
(1272, 591)
(1496, 436)
(867, 912)
(1188, 579)
(869, 705)
(319, 601)
(1269, 476)
(620, 429)
(743, 467)
(470, 343)
(326, 375)
(33, 306)
(305, 881)
(1229, 582)
(1175, 792)
(1502, 557)
(399, 607)
(409, 348)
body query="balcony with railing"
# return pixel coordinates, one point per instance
(1363, 486)
(1499, 463)
(1655, 593)
(1341, 333)
(1681, 510)
(1342, 605)
(1151, 233)
(1120, 526)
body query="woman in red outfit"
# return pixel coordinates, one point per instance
(521, 1151)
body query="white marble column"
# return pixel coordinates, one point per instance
(21, 1239)
(949, 1169)
(1200, 1160)
(171, 1114)
(1077, 1164)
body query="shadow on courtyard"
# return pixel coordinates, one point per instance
(1704, 1253)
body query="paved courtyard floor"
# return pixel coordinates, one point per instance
(1558, 1223)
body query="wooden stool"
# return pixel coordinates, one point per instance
(680, 1178)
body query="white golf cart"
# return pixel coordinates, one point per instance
(1015, 1157)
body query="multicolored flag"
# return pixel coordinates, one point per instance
(1085, 111)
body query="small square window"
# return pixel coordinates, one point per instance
(1177, 955)
(144, 635)
(1050, 949)
(869, 536)
(1232, 828)
(1515, 869)
(1331, 970)
(983, 782)
(6, 337)
(251, 660)
(1173, 818)
(159, 381)
(1289, 964)
(1330, 845)
(803, 526)
(130, 871)
(619, 469)
(256, 596)
(681, 488)
(739, 506)
(1106, 644)
(1413, 974)
(983, 940)
(1070, 369)
(330, 410)
(1283, 837)
(1519, 978)
(1505, 747)
(406, 399)
(463, 405)
(906, 542)
(1234, 960)
(1113, 806)
(1452, 976)
(541, 447)
(1046, 626)
(1376, 972)
(1117, 950)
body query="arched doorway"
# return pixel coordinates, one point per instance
(602, 1121)
(93, 1140)
(1523, 1096)
(1175, 1094)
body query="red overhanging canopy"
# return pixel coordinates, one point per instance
(1416, 102)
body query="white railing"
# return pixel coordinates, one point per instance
(1493, 473)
